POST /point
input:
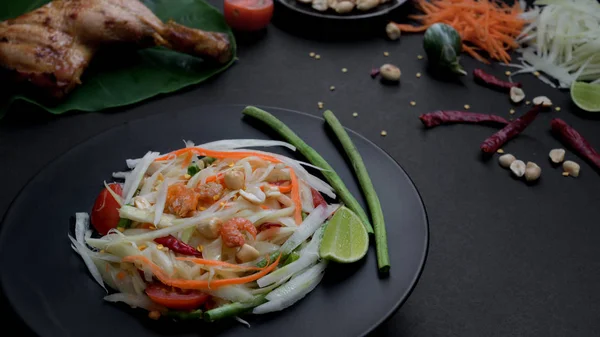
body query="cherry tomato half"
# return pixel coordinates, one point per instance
(105, 214)
(248, 15)
(317, 198)
(178, 299)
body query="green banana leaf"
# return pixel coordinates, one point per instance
(126, 78)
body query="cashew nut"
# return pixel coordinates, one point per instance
(210, 230)
(572, 168)
(234, 180)
(278, 175)
(343, 6)
(392, 31)
(141, 203)
(247, 253)
(365, 5)
(390, 72)
(557, 155)
(254, 195)
(516, 94)
(506, 159)
(271, 191)
(518, 168)
(543, 101)
(532, 171)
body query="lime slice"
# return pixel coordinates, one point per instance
(586, 96)
(345, 239)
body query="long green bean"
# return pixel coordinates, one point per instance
(233, 309)
(314, 157)
(383, 259)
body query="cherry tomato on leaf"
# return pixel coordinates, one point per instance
(248, 15)
(105, 214)
(175, 299)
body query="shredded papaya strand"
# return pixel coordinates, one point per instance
(296, 198)
(216, 263)
(198, 284)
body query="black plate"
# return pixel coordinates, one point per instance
(50, 288)
(355, 14)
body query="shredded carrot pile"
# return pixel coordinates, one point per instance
(484, 25)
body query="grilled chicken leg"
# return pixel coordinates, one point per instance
(52, 45)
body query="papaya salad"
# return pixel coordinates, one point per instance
(209, 231)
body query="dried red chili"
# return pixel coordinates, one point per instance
(573, 139)
(495, 141)
(449, 117)
(177, 245)
(492, 81)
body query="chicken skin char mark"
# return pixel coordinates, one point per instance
(53, 45)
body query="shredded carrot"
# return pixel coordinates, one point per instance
(216, 263)
(220, 178)
(121, 275)
(188, 160)
(285, 188)
(296, 198)
(484, 25)
(218, 154)
(265, 207)
(198, 284)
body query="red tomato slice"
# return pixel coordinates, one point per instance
(105, 214)
(248, 15)
(317, 198)
(175, 299)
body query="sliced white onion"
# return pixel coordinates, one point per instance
(133, 181)
(132, 163)
(149, 183)
(135, 301)
(82, 223)
(121, 175)
(89, 263)
(265, 247)
(306, 198)
(161, 199)
(293, 291)
(213, 250)
(312, 222)
(308, 256)
(233, 293)
(310, 274)
(230, 144)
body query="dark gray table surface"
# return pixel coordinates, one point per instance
(505, 258)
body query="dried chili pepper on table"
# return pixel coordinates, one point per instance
(177, 245)
(492, 81)
(569, 136)
(495, 141)
(450, 117)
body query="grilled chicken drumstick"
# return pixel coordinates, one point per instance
(52, 45)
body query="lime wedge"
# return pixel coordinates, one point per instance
(345, 239)
(586, 96)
